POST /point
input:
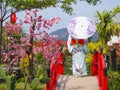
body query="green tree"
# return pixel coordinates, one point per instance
(66, 5)
(106, 23)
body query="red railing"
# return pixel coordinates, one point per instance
(99, 69)
(56, 69)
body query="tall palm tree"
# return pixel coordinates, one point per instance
(106, 23)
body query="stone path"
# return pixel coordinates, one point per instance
(66, 82)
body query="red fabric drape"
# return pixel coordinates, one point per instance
(53, 76)
(105, 83)
(60, 66)
(51, 85)
(99, 68)
(94, 67)
(56, 69)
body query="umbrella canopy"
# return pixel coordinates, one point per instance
(81, 27)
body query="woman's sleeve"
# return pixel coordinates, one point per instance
(85, 46)
(69, 45)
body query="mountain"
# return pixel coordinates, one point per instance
(61, 33)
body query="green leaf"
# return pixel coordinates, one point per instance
(45, 80)
(2, 73)
(8, 80)
(38, 71)
(34, 83)
(43, 4)
(41, 76)
(25, 84)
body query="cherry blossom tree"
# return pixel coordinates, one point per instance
(17, 47)
(36, 23)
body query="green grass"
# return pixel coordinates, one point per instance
(20, 86)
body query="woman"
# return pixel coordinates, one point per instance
(78, 48)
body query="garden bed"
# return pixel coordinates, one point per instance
(20, 86)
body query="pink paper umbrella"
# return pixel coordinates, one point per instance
(81, 27)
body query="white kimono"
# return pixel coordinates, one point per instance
(78, 58)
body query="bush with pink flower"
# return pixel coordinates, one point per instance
(17, 47)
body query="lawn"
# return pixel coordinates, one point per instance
(20, 86)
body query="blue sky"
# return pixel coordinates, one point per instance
(81, 9)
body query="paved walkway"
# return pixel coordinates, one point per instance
(66, 82)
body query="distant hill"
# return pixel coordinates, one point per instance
(61, 33)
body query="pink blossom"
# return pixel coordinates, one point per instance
(36, 50)
(16, 48)
(39, 19)
(38, 26)
(12, 28)
(23, 39)
(35, 12)
(50, 48)
(23, 53)
(21, 22)
(31, 30)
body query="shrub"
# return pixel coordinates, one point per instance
(114, 80)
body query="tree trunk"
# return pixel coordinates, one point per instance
(31, 67)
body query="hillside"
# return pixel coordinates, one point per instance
(61, 33)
